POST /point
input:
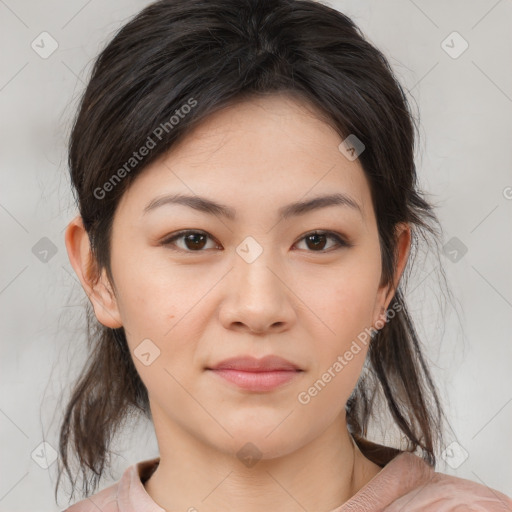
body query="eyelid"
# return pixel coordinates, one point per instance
(178, 234)
(340, 239)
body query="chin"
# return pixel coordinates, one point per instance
(261, 441)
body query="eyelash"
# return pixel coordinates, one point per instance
(342, 243)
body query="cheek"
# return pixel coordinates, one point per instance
(165, 305)
(344, 302)
(148, 292)
(344, 309)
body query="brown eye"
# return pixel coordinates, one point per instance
(196, 241)
(192, 241)
(317, 241)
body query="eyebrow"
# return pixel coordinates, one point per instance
(208, 206)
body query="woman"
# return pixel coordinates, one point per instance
(248, 205)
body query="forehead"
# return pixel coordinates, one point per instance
(269, 150)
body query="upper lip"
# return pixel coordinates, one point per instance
(251, 364)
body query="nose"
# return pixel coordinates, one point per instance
(257, 298)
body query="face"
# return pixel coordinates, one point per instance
(263, 278)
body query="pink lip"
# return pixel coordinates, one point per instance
(253, 374)
(251, 364)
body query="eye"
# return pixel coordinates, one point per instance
(195, 241)
(317, 240)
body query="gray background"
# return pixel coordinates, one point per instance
(464, 161)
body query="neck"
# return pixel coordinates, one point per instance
(321, 475)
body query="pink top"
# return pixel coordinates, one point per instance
(406, 484)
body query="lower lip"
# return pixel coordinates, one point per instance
(257, 381)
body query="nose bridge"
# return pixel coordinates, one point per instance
(253, 264)
(256, 295)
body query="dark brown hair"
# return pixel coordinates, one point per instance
(209, 55)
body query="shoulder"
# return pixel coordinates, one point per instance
(446, 493)
(127, 492)
(104, 500)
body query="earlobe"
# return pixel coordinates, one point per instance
(95, 284)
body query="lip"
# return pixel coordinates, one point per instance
(258, 375)
(251, 364)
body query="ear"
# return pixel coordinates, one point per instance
(387, 291)
(97, 287)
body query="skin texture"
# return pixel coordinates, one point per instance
(294, 300)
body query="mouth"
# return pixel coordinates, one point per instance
(257, 375)
(258, 381)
